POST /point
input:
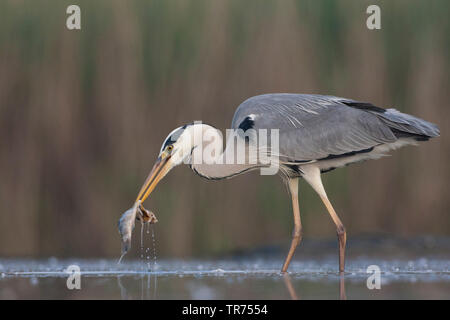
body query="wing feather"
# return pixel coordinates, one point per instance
(313, 127)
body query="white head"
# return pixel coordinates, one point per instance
(179, 147)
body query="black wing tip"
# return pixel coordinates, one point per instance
(418, 137)
(363, 106)
(347, 154)
(431, 132)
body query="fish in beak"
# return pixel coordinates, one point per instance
(169, 157)
(127, 222)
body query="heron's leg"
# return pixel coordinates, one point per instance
(342, 235)
(297, 237)
(312, 176)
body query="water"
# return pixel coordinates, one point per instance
(421, 278)
(417, 268)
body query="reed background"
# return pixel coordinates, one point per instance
(83, 115)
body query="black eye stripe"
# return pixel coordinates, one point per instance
(175, 135)
(168, 142)
(173, 138)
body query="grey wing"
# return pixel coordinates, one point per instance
(313, 127)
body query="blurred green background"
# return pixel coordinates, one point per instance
(83, 115)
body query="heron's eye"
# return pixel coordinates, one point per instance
(169, 148)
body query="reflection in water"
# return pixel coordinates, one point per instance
(342, 294)
(145, 290)
(293, 294)
(123, 291)
(155, 286)
(290, 287)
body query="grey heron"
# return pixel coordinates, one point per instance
(317, 133)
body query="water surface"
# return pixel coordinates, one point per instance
(422, 278)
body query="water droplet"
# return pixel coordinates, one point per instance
(154, 248)
(142, 246)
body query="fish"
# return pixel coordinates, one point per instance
(127, 222)
(146, 216)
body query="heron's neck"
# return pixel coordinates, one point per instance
(214, 164)
(220, 171)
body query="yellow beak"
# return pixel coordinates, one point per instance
(159, 170)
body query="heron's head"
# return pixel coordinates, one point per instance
(176, 149)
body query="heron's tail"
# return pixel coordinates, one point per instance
(407, 126)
